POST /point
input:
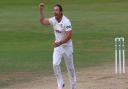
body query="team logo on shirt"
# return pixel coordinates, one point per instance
(58, 31)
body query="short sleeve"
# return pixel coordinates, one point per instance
(51, 20)
(68, 26)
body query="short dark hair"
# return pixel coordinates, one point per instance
(60, 7)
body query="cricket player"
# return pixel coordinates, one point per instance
(62, 45)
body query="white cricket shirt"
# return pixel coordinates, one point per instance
(60, 29)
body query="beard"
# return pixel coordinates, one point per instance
(55, 14)
(58, 16)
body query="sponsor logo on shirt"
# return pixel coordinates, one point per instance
(58, 31)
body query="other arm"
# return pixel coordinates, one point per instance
(66, 39)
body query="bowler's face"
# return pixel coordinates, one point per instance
(57, 11)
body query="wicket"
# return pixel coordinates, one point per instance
(119, 55)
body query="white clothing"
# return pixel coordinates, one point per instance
(61, 28)
(64, 50)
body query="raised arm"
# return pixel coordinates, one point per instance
(43, 20)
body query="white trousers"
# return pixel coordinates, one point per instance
(65, 52)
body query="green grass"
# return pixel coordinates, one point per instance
(26, 46)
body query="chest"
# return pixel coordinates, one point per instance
(59, 28)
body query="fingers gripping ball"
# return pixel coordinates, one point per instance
(42, 4)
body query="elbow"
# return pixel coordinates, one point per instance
(41, 21)
(70, 35)
(44, 21)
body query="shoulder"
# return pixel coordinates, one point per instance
(66, 21)
(51, 20)
(67, 24)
